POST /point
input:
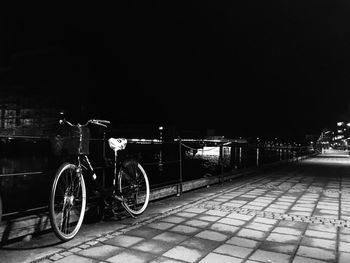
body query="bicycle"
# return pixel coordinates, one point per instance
(67, 203)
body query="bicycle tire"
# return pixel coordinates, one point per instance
(67, 202)
(134, 189)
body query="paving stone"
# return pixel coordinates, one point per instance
(186, 214)
(243, 242)
(252, 207)
(285, 204)
(275, 210)
(216, 213)
(214, 257)
(123, 241)
(75, 249)
(235, 204)
(212, 235)
(345, 238)
(100, 252)
(318, 242)
(45, 261)
(299, 259)
(93, 242)
(161, 225)
(293, 224)
(334, 207)
(131, 256)
(258, 226)
(153, 246)
(240, 217)
(320, 234)
(170, 237)
(301, 208)
(101, 239)
(300, 213)
(317, 253)
(195, 210)
(183, 229)
(56, 257)
(208, 218)
(304, 205)
(228, 229)
(76, 259)
(324, 228)
(253, 234)
(331, 212)
(235, 251)
(287, 230)
(344, 230)
(231, 221)
(173, 219)
(283, 238)
(344, 246)
(185, 254)
(145, 232)
(197, 223)
(165, 260)
(344, 257)
(278, 247)
(200, 243)
(268, 256)
(84, 246)
(258, 203)
(277, 206)
(265, 221)
(248, 196)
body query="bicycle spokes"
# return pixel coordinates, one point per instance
(68, 200)
(134, 190)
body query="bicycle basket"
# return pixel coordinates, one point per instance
(77, 140)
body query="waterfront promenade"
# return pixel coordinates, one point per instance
(297, 213)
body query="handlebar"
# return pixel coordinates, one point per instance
(92, 121)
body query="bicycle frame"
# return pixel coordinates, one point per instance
(84, 163)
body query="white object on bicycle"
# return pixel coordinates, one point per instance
(117, 144)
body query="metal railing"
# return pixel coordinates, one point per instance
(170, 162)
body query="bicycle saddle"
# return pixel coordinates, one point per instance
(117, 144)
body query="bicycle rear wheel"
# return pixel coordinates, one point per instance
(67, 202)
(134, 188)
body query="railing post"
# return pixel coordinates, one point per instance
(240, 157)
(221, 163)
(104, 159)
(179, 187)
(160, 163)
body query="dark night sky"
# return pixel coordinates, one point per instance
(278, 68)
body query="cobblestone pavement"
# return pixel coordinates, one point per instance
(295, 214)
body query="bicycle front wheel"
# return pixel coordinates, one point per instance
(67, 201)
(134, 188)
